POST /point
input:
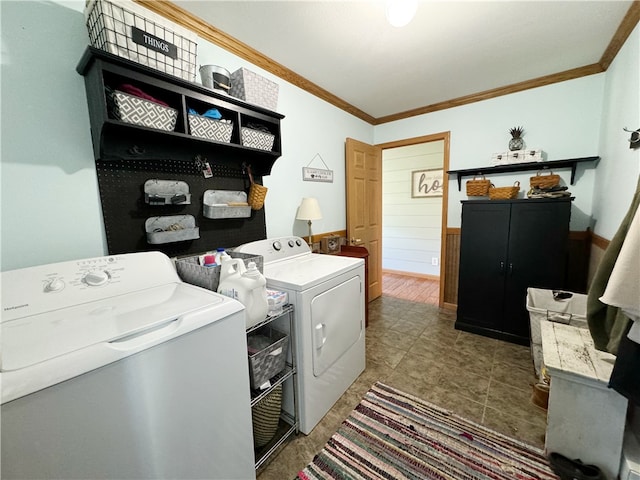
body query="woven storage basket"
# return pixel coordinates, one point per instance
(544, 181)
(504, 193)
(266, 415)
(478, 187)
(257, 193)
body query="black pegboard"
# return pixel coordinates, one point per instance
(124, 210)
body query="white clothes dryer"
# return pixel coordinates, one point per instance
(327, 293)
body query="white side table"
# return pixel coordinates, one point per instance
(585, 418)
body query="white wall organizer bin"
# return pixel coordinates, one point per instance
(166, 192)
(172, 228)
(131, 31)
(190, 270)
(254, 88)
(225, 204)
(209, 128)
(137, 110)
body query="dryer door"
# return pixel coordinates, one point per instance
(336, 322)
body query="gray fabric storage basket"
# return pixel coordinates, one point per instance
(267, 349)
(254, 88)
(190, 271)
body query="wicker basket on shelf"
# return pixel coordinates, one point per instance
(478, 187)
(544, 181)
(504, 193)
(257, 192)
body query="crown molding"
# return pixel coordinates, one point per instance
(216, 36)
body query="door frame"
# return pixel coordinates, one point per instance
(445, 137)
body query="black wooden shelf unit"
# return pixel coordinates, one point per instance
(128, 154)
(117, 140)
(523, 167)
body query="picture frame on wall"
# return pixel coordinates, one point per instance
(427, 183)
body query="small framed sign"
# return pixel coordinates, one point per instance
(317, 175)
(427, 183)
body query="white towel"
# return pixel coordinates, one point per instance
(623, 288)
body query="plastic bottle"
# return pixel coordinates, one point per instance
(257, 303)
(209, 261)
(247, 285)
(218, 255)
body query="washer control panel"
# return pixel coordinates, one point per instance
(34, 290)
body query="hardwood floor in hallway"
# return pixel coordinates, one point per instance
(407, 287)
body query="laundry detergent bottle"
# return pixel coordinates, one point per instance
(247, 285)
(256, 304)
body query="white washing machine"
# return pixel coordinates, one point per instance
(112, 367)
(327, 292)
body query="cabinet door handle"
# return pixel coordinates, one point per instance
(511, 269)
(501, 268)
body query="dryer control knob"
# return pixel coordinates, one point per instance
(54, 285)
(96, 278)
(291, 244)
(277, 246)
(298, 242)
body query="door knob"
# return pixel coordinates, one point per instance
(356, 241)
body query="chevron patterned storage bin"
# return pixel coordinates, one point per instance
(256, 139)
(139, 111)
(210, 129)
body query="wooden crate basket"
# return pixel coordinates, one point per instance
(478, 187)
(504, 193)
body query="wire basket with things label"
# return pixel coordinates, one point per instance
(478, 187)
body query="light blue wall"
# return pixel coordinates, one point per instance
(50, 203)
(562, 119)
(50, 200)
(618, 172)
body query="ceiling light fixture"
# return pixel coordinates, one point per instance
(401, 12)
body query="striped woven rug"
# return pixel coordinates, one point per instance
(393, 435)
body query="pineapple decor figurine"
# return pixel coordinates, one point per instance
(516, 142)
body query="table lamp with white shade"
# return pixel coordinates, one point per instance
(309, 210)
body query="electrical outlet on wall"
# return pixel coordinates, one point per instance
(434, 261)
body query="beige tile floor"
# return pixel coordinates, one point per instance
(414, 347)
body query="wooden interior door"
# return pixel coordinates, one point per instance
(364, 206)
